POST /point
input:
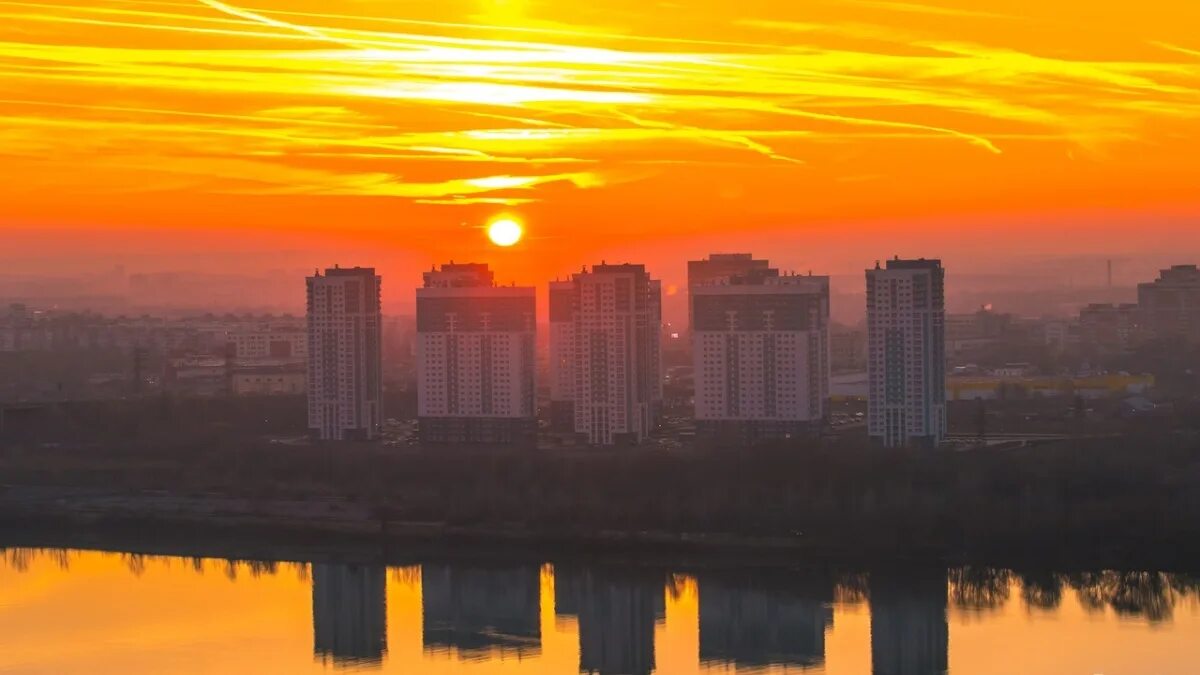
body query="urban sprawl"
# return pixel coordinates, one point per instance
(760, 359)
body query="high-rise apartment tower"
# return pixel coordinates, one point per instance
(906, 353)
(605, 353)
(345, 391)
(760, 350)
(475, 358)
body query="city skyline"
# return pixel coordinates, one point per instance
(1035, 287)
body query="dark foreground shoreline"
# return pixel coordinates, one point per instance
(1131, 501)
(221, 527)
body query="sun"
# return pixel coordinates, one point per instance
(505, 231)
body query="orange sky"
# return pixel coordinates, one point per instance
(615, 129)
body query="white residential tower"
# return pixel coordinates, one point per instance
(605, 353)
(475, 358)
(906, 354)
(760, 348)
(345, 367)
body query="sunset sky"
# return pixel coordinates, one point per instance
(611, 129)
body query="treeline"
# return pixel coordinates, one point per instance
(166, 420)
(1120, 496)
(160, 420)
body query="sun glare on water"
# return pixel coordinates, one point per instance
(505, 232)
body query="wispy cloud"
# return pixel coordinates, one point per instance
(922, 8)
(1177, 48)
(279, 101)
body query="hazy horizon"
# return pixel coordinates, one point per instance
(1028, 283)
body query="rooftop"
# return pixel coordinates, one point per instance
(914, 264)
(460, 275)
(605, 268)
(348, 272)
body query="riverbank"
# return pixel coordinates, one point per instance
(255, 537)
(162, 523)
(1124, 500)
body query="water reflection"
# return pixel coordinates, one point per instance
(979, 589)
(909, 632)
(617, 611)
(477, 612)
(349, 613)
(751, 620)
(1041, 591)
(601, 619)
(1152, 595)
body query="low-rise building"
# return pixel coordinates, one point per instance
(1109, 329)
(270, 380)
(968, 388)
(197, 375)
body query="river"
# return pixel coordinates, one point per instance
(71, 611)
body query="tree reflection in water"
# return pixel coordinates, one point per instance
(979, 589)
(1041, 591)
(1152, 596)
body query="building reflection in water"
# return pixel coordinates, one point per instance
(349, 613)
(478, 612)
(752, 621)
(909, 633)
(746, 619)
(616, 611)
